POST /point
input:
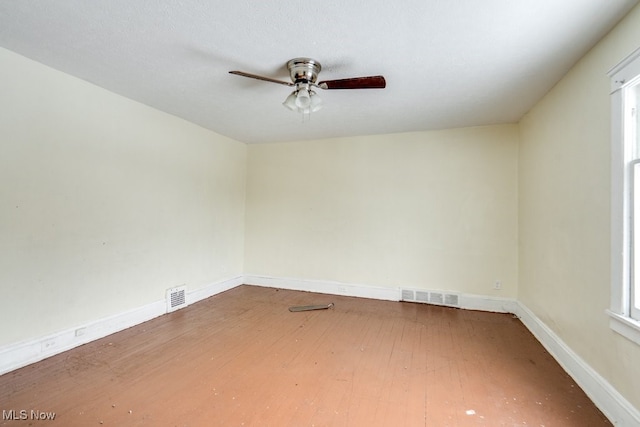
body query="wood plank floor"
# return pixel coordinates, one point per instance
(241, 358)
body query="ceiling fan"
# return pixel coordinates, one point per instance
(304, 75)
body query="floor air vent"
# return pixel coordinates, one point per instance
(407, 295)
(451, 299)
(176, 298)
(422, 296)
(436, 298)
(430, 297)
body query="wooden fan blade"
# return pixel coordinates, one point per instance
(371, 82)
(257, 77)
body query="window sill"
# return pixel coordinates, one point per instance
(625, 326)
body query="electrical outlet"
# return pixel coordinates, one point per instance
(80, 331)
(497, 285)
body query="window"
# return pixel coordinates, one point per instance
(632, 135)
(625, 202)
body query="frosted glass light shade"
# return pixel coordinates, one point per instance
(290, 102)
(303, 101)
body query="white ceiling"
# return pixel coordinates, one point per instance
(448, 63)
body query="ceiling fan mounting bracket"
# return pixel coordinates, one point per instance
(304, 70)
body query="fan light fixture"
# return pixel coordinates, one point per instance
(303, 100)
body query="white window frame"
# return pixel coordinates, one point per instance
(623, 76)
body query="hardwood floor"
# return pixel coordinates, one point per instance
(241, 358)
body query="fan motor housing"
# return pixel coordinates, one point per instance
(303, 70)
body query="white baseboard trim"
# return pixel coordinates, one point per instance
(488, 303)
(612, 404)
(24, 353)
(466, 301)
(325, 287)
(213, 289)
(14, 356)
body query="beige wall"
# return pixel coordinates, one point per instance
(105, 203)
(564, 212)
(430, 210)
